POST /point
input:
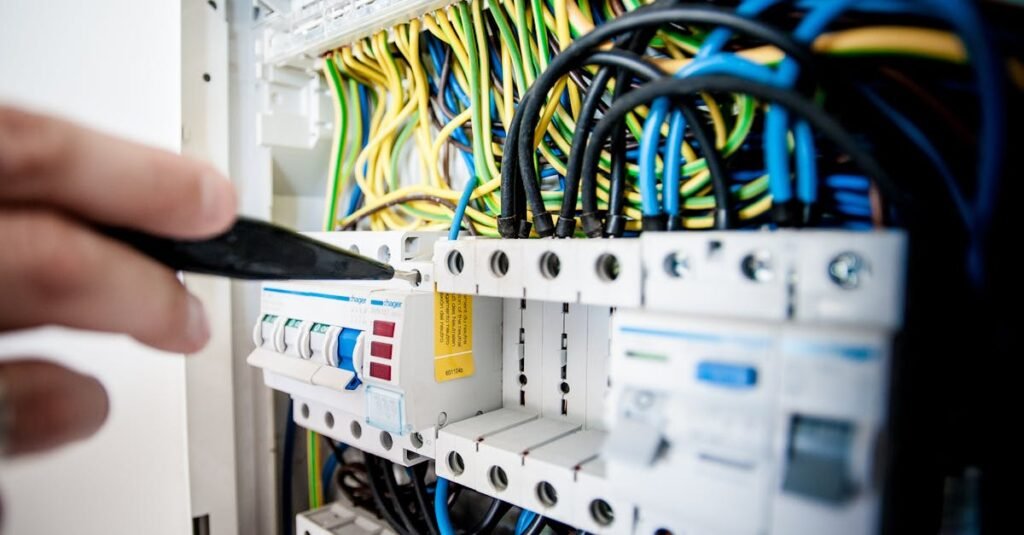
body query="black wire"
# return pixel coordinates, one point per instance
(687, 87)
(646, 17)
(510, 184)
(338, 455)
(495, 512)
(388, 469)
(335, 449)
(419, 486)
(637, 42)
(723, 197)
(287, 523)
(353, 480)
(611, 58)
(379, 499)
(566, 225)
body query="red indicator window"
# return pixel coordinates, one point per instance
(380, 371)
(384, 328)
(380, 349)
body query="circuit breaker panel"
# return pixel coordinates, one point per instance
(664, 252)
(359, 358)
(745, 372)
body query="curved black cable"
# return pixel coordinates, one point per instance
(608, 59)
(495, 512)
(335, 449)
(423, 499)
(512, 174)
(646, 17)
(687, 87)
(566, 224)
(287, 460)
(391, 484)
(616, 224)
(508, 221)
(379, 499)
(716, 167)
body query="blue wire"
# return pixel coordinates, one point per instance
(747, 176)
(854, 182)
(467, 192)
(328, 473)
(925, 145)
(357, 193)
(717, 38)
(459, 91)
(549, 172)
(460, 209)
(673, 162)
(444, 522)
(649, 139)
(596, 12)
(776, 123)
(496, 64)
(777, 119)
(851, 198)
(964, 16)
(651, 136)
(525, 517)
(854, 209)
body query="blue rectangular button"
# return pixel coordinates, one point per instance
(727, 375)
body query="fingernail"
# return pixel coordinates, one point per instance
(218, 199)
(197, 328)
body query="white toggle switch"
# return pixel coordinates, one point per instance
(331, 345)
(358, 352)
(305, 350)
(279, 328)
(633, 442)
(257, 332)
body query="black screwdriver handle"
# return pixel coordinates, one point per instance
(256, 250)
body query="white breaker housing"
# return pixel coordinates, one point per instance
(744, 390)
(358, 356)
(712, 382)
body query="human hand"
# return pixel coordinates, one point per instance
(58, 180)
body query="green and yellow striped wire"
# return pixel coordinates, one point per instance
(516, 38)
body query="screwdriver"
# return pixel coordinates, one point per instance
(257, 250)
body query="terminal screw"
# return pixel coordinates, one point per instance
(757, 266)
(847, 270)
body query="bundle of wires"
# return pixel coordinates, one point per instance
(497, 115)
(605, 118)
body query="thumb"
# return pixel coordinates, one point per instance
(44, 405)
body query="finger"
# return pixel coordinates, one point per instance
(44, 160)
(60, 272)
(45, 405)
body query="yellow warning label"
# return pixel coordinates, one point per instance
(453, 336)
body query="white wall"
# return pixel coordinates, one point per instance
(115, 65)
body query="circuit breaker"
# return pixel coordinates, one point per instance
(361, 359)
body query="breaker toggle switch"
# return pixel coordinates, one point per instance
(344, 350)
(264, 329)
(294, 338)
(638, 436)
(818, 464)
(317, 337)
